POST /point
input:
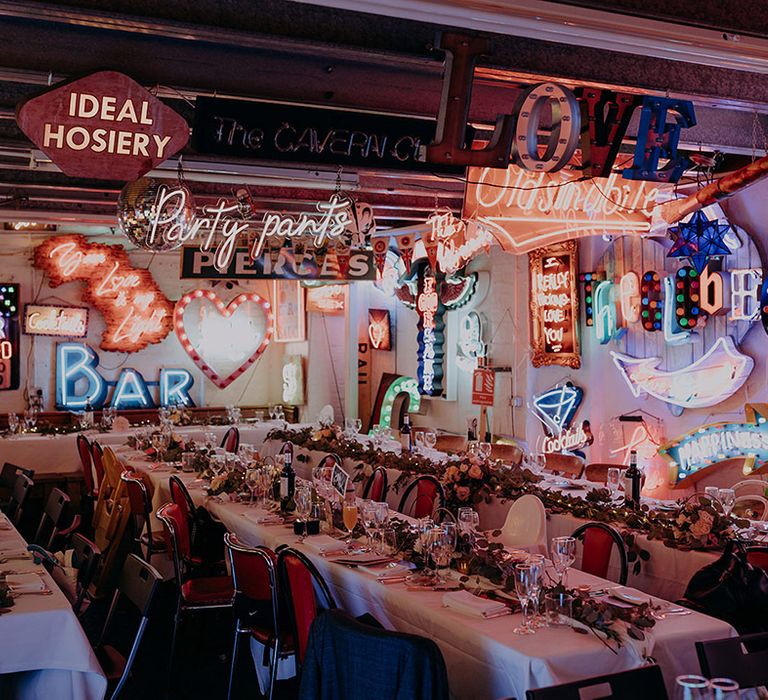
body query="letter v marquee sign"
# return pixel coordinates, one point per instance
(104, 126)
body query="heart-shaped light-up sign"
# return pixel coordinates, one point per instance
(223, 340)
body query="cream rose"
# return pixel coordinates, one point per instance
(475, 472)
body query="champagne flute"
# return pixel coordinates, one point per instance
(525, 577)
(563, 556)
(382, 518)
(303, 497)
(368, 510)
(536, 561)
(349, 516)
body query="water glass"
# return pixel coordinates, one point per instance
(469, 520)
(563, 556)
(692, 687)
(443, 544)
(613, 480)
(303, 498)
(558, 609)
(727, 498)
(430, 438)
(536, 561)
(187, 461)
(368, 511)
(484, 449)
(724, 689)
(711, 492)
(525, 582)
(13, 423)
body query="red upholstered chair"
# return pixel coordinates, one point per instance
(758, 556)
(423, 497)
(598, 540)
(257, 605)
(305, 593)
(98, 464)
(147, 542)
(376, 487)
(231, 440)
(203, 593)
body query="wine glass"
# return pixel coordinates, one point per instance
(368, 510)
(349, 516)
(563, 556)
(443, 544)
(303, 498)
(252, 481)
(382, 518)
(536, 561)
(430, 438)
(424, 527)
(724, 689)
(727, 498)
(469, 520)
(691, 687)
(613, 480)
(357, 425)
(540, 460)
(13, 423)
(525, 583)
(484, 450)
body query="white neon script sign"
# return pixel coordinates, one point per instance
(457, 242)
(714, 377)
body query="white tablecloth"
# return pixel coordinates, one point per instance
(484, 658)
(43, 646)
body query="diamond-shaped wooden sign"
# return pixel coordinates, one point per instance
(104, 126)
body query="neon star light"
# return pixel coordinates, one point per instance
(79, 382)
(135, 310)
(714, 377)
(556, 407)
(213, 343)
(702, 447)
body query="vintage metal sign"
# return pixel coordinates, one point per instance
(104, 126)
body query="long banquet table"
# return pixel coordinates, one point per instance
(44, 653)
(484, 657)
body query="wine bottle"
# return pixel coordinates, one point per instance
(633, 477)
(287, 484)
(406, 435)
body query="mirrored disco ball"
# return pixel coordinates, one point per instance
(146, 201)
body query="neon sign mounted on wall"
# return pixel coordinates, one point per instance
(214, 334)
(392, 386)
(570, 439)
(78, 383)
(557, 406)
(136, 312)
(379, 329)
(710, 444)
(554, 306)
(709, 380)
(471, 345)
(431, 336)
(60, 321)
(10, 360)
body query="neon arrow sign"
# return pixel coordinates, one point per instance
(705, 446)
(714, 377)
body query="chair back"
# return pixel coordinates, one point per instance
(509, 454)
(396, 664)
(744, 659)
(565, 465)
(8, 475)
(305, 592)
(758, 556)
(85, 559)
(376, 487)
(177, 537)
(138, 583)
(52, 517)
(86, 459)
(526, 523)
(19, 493)
(599, 540)
(751, 507)
(450, 443)
(231, 440)
(180, 496)
(97, 454)
(140, 504)
(423, 497)
(757, 487)
(639, 684)
(598, 473)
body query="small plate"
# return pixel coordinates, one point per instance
(558, 483)
(627, 597)
(420, 580)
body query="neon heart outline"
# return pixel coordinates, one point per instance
(226, 311)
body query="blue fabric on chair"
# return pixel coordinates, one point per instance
(350, 660)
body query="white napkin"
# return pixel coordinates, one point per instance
(261, 519)
(467, 604)
(25, 583)
(325, 544)
(384, 572)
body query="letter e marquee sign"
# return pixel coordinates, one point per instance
(104, 126)
(554, 304)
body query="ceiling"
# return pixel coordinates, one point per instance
(306, 53)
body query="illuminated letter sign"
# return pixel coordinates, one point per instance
(390, 387)
(745, 293)
(61, 321)
(556, 406)
(710, 444)
(711, 292)
(430, 337)
(651, 303)
(136, 312)
(554, 306)
(687, 297)
(709, 380)
(604, 312)
(215, 335)
(525, 210)
(570, 439)
(671, 322)
(104, 126)
(78, 383)
(629, 290)
(589, 280)
(10, 361)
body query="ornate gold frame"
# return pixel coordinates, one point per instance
(540, 357)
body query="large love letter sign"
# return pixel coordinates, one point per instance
(216, 336)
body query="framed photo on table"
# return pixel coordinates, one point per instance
(290, 314)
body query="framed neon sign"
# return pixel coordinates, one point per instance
(79, 382)
(554, 306)
(557, 406)
(58, 321)
(10, 361)
(379, 329)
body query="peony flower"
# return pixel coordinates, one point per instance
(463, 467)
(450, 473)
(475, 472)
(462, 493)
(703, 525)
(367, 470)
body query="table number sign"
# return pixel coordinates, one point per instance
(554, 306)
